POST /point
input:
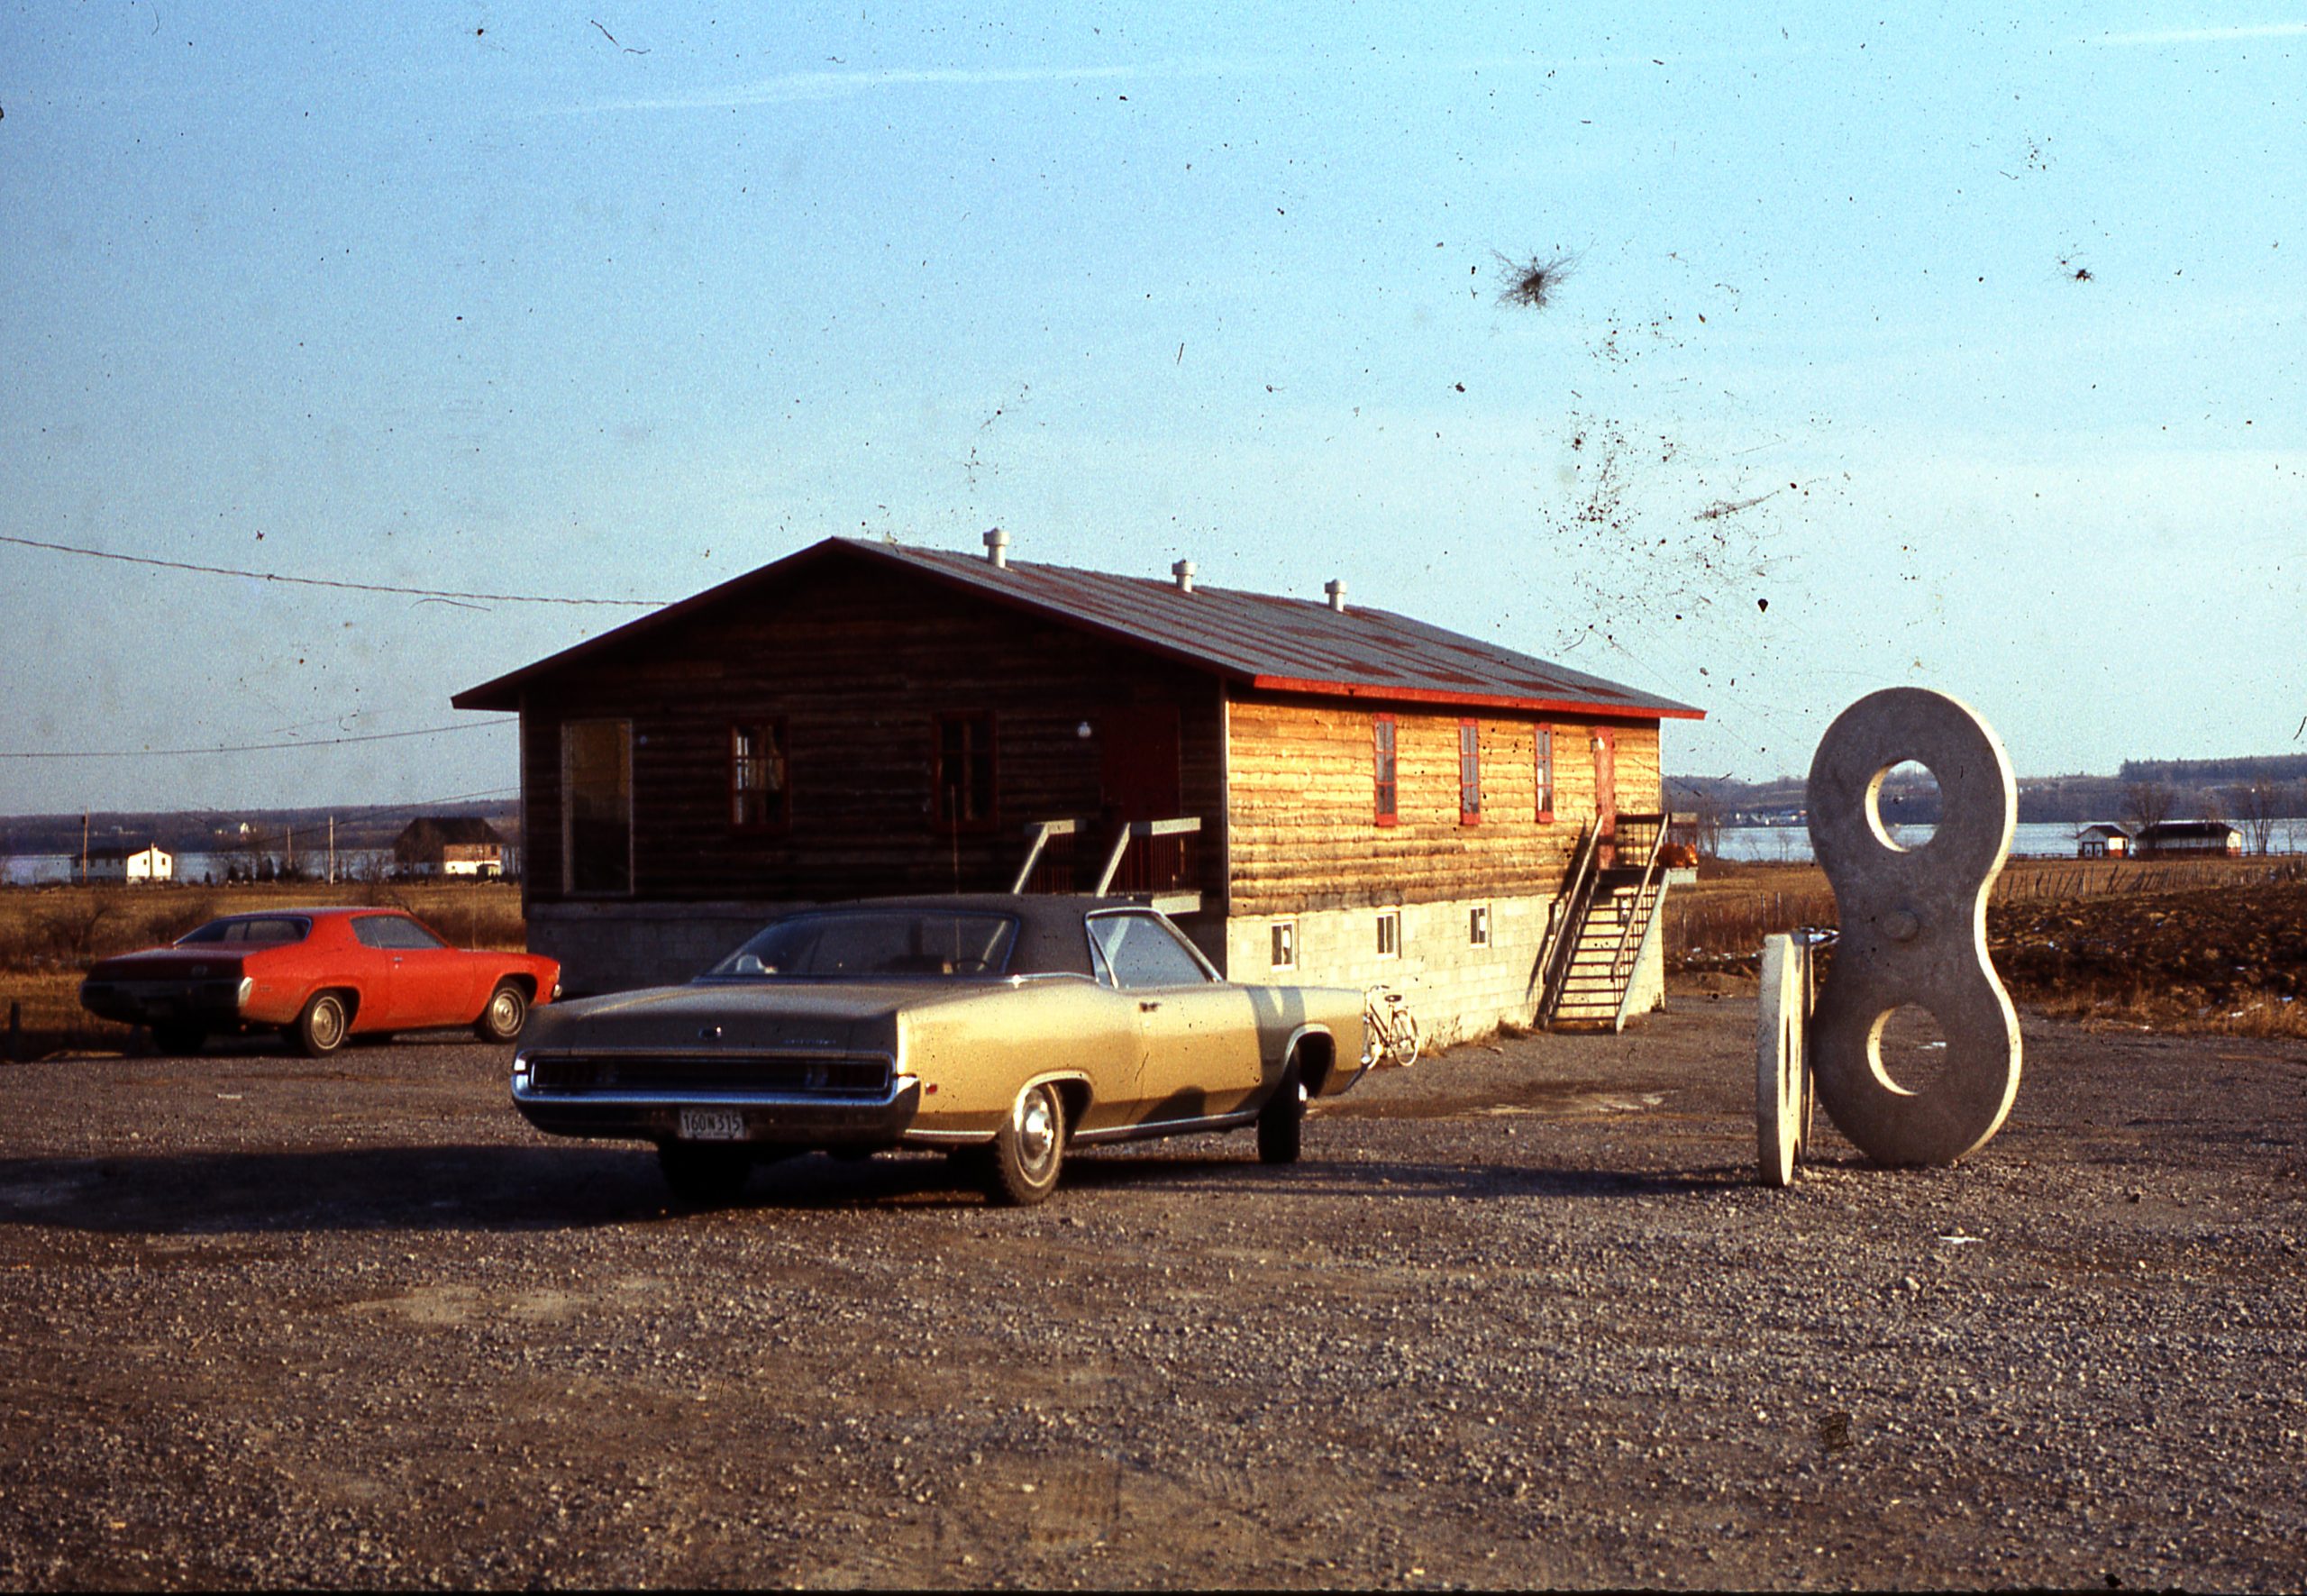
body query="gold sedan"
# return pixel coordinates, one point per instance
(1003, 1028)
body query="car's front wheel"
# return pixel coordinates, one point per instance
(705, 1177)
(507, 1012)
(320, 1030)
(1281, 1123)
(1029, 1150)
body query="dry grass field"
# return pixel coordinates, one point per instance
(2216, 945)
(2201, 945)
(50, 935)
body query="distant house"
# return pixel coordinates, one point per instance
(1318, 792)
(132, 863)
(455, 847)
(2103, 841)
(2189, 839)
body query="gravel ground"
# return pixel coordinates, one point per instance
(1521, 1318)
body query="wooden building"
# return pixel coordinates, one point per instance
(454, 847)
(2102, 841)
(1317, 792)
(2189, 839)
(135, 863)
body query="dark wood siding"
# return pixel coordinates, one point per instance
(1303, 833)
(855, 662)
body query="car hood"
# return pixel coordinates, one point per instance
(742, 1015)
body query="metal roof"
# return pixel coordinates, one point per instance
(1255, 639)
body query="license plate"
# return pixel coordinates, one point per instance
(712, 1125)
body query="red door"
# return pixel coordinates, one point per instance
(1138, 779)
(1137, 762)
(1606, 794)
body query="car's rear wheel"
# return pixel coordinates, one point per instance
(1029, 1149)
(507, 1012)
(179, 1039)
(320, 1029)
(705, 1177)
(1281, 1123)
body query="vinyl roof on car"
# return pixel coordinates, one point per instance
(1050, 936)
(1257, 640)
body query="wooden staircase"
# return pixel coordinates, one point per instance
(1607, 916)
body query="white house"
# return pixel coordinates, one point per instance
(121, 862)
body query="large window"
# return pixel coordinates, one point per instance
(758, 798)
(597, 805)
(1469, 773)
(1388, 791)
(961, 779)
(1545, 773)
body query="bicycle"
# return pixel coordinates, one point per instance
(1392, 1032)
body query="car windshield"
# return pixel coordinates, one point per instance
(875, 943)
(262, 929)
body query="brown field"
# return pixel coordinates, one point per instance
(50, 935)
(2201, 945)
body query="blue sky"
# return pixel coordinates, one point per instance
(1998, 324)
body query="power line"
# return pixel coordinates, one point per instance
(471, 725)
(268, 576)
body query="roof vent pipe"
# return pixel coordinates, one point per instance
(1336, 590)
(997, 548)
(1183, 571)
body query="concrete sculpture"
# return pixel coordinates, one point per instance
(1913, 933)
(1914, 924)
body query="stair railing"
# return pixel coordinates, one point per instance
(1562, 948)
(1637, 925)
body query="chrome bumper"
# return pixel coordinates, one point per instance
(214, 1004)
(799, 1102)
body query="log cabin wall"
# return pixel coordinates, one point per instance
(854, 662)
(1302, 833)
(1453, 915)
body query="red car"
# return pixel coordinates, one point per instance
(319, 975)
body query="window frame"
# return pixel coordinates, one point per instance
(1389, 946)
(1542, 772)
(1478, 925)
(780, 757)
(570, 885)
(1282, 940)
(1102, 963)
(1385, 770)
(1470, 773)
(990, 753)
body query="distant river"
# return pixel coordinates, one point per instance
(26, 870)
(2044, 839)
(1750, 844)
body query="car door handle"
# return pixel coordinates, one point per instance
(1148, 1004)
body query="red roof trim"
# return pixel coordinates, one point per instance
(1585, 708)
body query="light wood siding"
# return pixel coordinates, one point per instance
(1302, 833)
(855, 662)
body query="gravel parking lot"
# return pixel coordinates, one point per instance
(1522, 1316)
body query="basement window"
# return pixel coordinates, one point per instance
(1285, 944)
(1478, 926)
(1389, 934)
